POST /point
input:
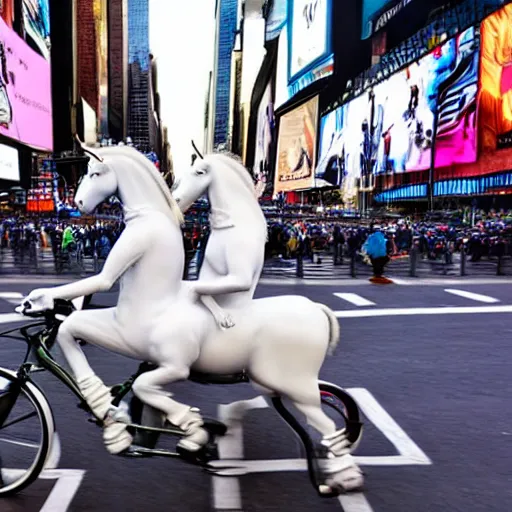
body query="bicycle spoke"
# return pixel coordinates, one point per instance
(18, 420)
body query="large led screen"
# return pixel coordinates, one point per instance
(495, 109)
(309, 26)
(36, 18)
(9, 163)
(296, 150)
(25, 92)
(265, 129)
(377, 14)
(452, 93)
(390, 128)
(304, 49)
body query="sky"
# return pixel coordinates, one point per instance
(182, 36)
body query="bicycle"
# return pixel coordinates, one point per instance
(144, 423)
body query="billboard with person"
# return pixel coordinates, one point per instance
(296, 149)
(305, 48)
(25, 92)
(396, 126)
(264, 134)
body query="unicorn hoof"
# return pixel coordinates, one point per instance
(116, 438)
(346, 481)
(227, 323)
(324, 489)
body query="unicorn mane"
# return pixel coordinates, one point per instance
(132, 154)
(234, 163)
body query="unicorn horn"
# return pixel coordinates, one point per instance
(87, 150)
(197, 150)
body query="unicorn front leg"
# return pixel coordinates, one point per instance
(126, 252)
(223, 319)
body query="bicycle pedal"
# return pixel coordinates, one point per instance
(202, 456)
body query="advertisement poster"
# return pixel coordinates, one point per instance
(36, 18)
(377, 14)
(453, 86)
(265, 128)
(9, 163)
(296, 150)
(495, 110)
(25, 92)
(309, 24)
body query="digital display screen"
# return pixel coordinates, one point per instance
(296, 151)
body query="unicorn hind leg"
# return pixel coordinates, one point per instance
(148, 387)
(288, 365)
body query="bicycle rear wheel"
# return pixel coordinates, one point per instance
(339, 402)
(26, 433)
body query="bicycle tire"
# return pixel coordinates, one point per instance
(351, 416)
(44, 412)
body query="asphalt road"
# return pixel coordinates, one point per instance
(444, 379)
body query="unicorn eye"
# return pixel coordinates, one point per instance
(94, 175)
(200, 172)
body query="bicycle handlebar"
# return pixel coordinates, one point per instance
(61, 307)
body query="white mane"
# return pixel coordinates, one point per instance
(148, 167)
(219, 162)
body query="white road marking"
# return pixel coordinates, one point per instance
(227, 496)
(472, 296)
(355, 299)
(53, 459)
(354, 503)
(64, 490)
(406, 447)
(226, 491)
(422, 311)
(10, 318)
(11, 295)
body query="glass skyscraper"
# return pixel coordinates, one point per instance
(138, 72)
(227, 18)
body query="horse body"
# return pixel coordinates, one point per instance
(281, 342)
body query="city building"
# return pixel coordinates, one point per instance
(227, 19)
(118, 68)
(139, 74)
(92, 59)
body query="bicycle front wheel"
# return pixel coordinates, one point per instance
(26, 433)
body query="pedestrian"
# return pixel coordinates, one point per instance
(376, 248)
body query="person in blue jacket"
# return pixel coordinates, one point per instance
(376, 248)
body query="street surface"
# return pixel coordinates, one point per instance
(435, 389)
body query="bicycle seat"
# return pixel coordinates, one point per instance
(219, 379)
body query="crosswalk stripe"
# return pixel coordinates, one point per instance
(472, 296)
(355, 299)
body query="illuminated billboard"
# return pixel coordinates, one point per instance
(378, 13)
(25, 92)
(9, 163)
(305, 48)
(296, 149)
(393, 128)
(264, 131)
(495, 106)
(36, 19)
(453, 86)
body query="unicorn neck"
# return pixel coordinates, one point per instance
(225, 206)
(139, 198)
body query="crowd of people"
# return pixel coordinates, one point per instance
(489, 236)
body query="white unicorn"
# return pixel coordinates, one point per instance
(235, 252)
(280, 342)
